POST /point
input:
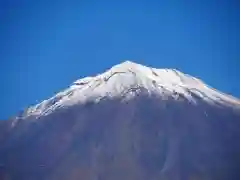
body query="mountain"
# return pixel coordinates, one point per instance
(131, 122)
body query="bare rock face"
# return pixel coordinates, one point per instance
(148, 135)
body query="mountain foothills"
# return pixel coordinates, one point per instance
(131, 122)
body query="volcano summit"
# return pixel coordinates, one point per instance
(131, 122)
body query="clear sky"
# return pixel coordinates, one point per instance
(45, 45)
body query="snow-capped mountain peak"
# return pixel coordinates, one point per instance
(167, 76)
(127, 79)
(118, 124)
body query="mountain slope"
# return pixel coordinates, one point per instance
(131, 122)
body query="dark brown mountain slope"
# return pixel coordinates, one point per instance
(144, 138)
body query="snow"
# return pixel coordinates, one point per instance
(128, 78)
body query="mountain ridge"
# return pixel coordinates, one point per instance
(127, 79)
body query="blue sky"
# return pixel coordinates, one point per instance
(46, 45)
